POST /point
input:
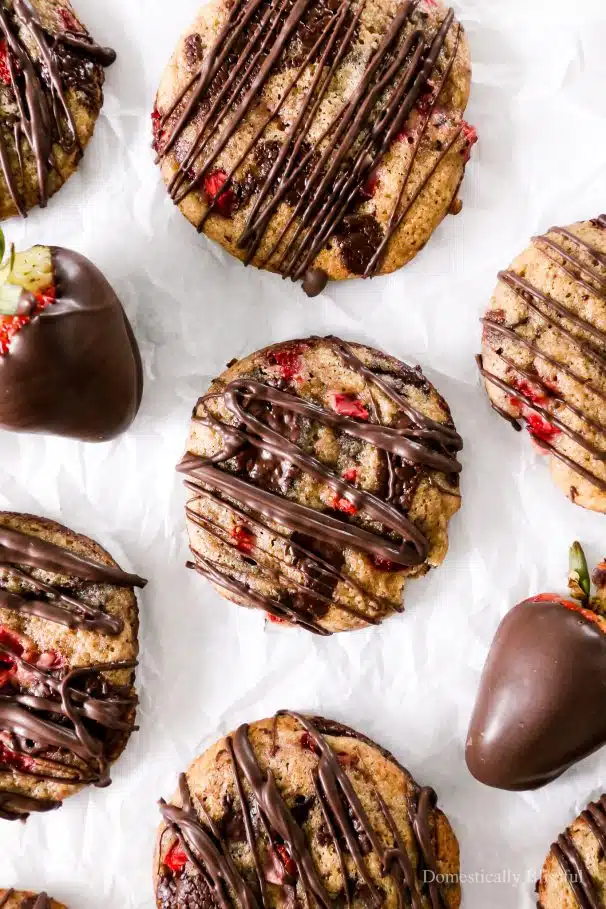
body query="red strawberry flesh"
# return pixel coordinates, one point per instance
(288, 359)
(223, 202)
(11, 325)
(175, 858)
(244, 537)
(348, 405)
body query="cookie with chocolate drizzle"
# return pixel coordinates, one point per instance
(320, 139)
(51, 78)
(26, 899)
(68, 651)
(574, 873)
(322, 474)
(544, 354)
(296, 810)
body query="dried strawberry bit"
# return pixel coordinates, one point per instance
(382, 564)
(309, 744)
(157, 129)
(70, 23)
(5, 72)
(14, 759)
(471, 137)
(496, 315)
(342, 504)
(347, 760)
(288, 360)
(540, 428)
(350, 475)
(275, 619)
(290, 866)
(175, 858)
(348, 405)
(223, 203)
(244, 537)
(530, 391)
(369, 188)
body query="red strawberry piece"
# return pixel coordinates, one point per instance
(288, 359)
(244, 537)
(540, 429)
(157, 128)
(275, 619)
(290, 866)
(347, 760)
(347, 405)
(530, 391)
(344, 505)
(369, 188)
(69, 21)
(8, 667)
(5, 73)
(350, 475)
(471, 137)
(14, 759)
(496, 315)
(10, 325)
(382, 564)
(308, 743)
(175, 858)
(223, 203)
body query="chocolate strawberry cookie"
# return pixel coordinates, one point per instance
(69, 362)
(322, 475)
(544, 354)
(574, 873)
(25, 899)
(297, 810)
(68, 650)
(540, 706)
(320, 139)
(51, 78)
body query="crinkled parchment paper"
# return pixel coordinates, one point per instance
(538, 104)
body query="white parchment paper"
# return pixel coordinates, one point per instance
(538, 104)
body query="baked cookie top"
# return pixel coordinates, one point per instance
(68, 650)
(544, 354)
(51, 78)
(25, 899)
(574, 873)
(296, 807)
(317, 138)
(323, 475)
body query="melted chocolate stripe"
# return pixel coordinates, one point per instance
(213, 573)
(555, 247)
(583, 244)
(321, 565)
(576, 872)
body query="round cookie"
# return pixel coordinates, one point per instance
(544, 354)
(574, 873)
(68, 651)
(25, 899)
(51, 78)
(294, 808)
(323, 475)
(318, 139)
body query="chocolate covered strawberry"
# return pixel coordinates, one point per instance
(540, 705)
(69, 362)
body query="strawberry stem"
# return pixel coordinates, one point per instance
(579, 582)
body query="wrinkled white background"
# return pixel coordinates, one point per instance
(538, 104)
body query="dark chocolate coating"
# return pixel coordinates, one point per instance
(540, 705)
(75, 369)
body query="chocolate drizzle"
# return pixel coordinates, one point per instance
(585, 266)
(258, 37)
(43, 115)
(19, 550)
(263, 417)
(571, 861)
(277, 833)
